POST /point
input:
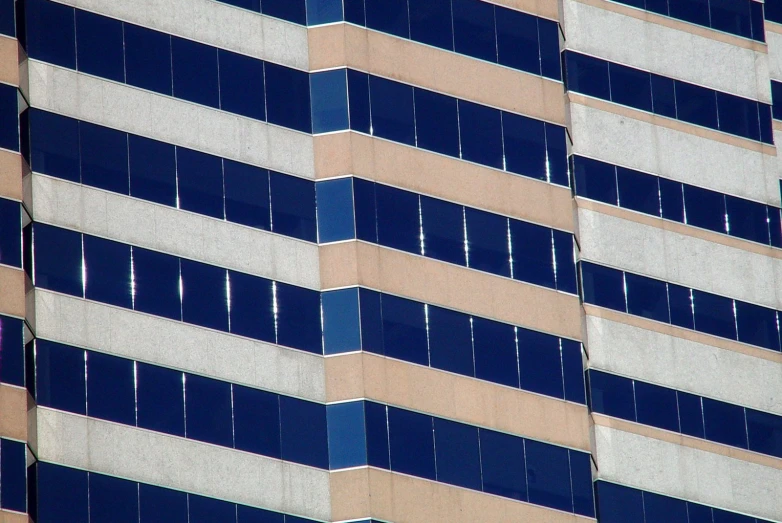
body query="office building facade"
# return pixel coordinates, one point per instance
(390, 261)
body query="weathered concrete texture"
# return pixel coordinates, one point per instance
(774, 41)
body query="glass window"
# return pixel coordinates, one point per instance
(404, 330)
(7, 18)
(195, 69)
(775, 226)
(494, 345)
(603, 286)
(156, 283)
(398, 224)
(548, 475)
(298, 318)
(104, 158)
(656, 406)
(152, 170)
(704, 208)
(59, 377)
(247, 195)
(595, 180)
(680, 302)
(366, 210)
(354, 12)
(612, 395)
(573, 371)
(54, 145)
(62, 494)
(99, 47)
(288, 97)
(323, 12)
(565, 263)
(525, 146)
(443, 230)
(556, 155)
(148, 59)
(291, 10)
(765, 432)
(581, 479)
(51, 32)
(208, 410)
(695, 104)
(393, 116)
(722, 516)
(304, 435)
(358, 100)
(112, 500)
(550, 60)
(437, 122)
(747, 219)
(430, 22)
(695, 11)
(487, 237)
(450, 341)
(638, 191)
(474, 30)
(13, 472)
(158, 503)
(457, 454)
(293, 207)
(204, 300)
(480, 130)
(738, 115)
(200, 182)
(776, 95)
(699, 513)
(587, 75)
(347, 437)
(12, 351)
(11, 233)
(161, 401)
(663, 508)
(208, 510)
(714, 314)
(756, 21)
(388, 16)
(111, 391)
(335, 210)
(503, 466)
(256, 421)
(724, 423)
(655, 6)
(371, 321)
(630, 87)
(731, 16)
(107, 271)
(377, 435)
(757, 325)
(647, 297)
(690, 414)
(252, 306)
(241, 85)
(9, 117)
(540, 363)
(517, 40)
(246, 514)
(671, 200)
(58, 259)
(412, 443)
(766, 132)
(329, 92)
(618, 504)
(663, 96)
(341, 328)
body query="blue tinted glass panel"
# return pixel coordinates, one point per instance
(377, 435)
(161, 400)
(747, 219)
(288, 97)
(156, 283)
(291, 10)
(680, 302)
(540, 363)
(99, 47)
(204, 300)
(550, 61)
(731, 16)
(54, 145)
(208, 410)
(556, 150)
(335, 210)
(776, 95)
(113, 500)
(714, 314)
(358, 100)
(722, 516)
(323, 11)
(241, 85)
(62, 493)
(195, 72)
(104, 158)
(704, 208)
(766, 132)
(11, 234)
(51, 32)
(525, 146)
(107, 271)
(443, 228)
(398, 219)
(756, 21)
(618, 504)
(638, 191)
(388, 16)
(495, 352)
(9, 118)
(738, 115)
(404, 330)
(647, 297)
(517, 41)
(58, 260)
(656, 406)
(630, 87)
(450, 341)
(603, 286)
(148, 59)
(663, 96)
(341, 328)
(7, 21)
(765, 432)
(612, 395)
(111, 388)
(252, 306)
(587, 75)
(581, 478)
(366, 210)
(671, 200)
(480, 130)
(548, 475)
(157, 503)
(775, 226)
(695, 11)
(246, 514)
(503, 466)
(690, 414)
(437, 122)
(487, 237)
(329, 93)
(293, 207)
(371, 321)
(663, 508)
(474, 30)
(247, 195)
(298, 318)
(573, 370)
(200, 182)
(12, 351)
(347, 436)
(152, 170)
(13, 471)
(392, 109)
(208, 510)
(411, 443)
(354, 12)
(699, 513)
(595, 180)
(430, 22)
(458, 454)
(304, 436)
(724, 423)
(757, 325)
(695, 104)
(256, 421)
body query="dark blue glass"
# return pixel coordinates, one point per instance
(671, 200)
(256, 421)
(722, 516)
(747, 219)
(457, 454)
(341, 327)
(397, 219)
(107, 271)
(303, 432)
(474, 29)
(241, 85)
(612, 395)
(323, 12)
(695, 11)
(11, 234)
(392, 108)
(756, 21)
(573, 371)
(9, 118)
(204, 296)
(480, 130)
(246, 514)
(293, 206)
(358, 100)
(773, 11)
(776, 96)
(411, 443)
(663, 508)
(595, 180)
(581, 479)
(388, 16)
(437, 122)
(111, 391)
(765, 432)
(525, 146)
(656, 406)
(377, 435)
(99, 47)
(647, 297)
(347, 435)
(298, 318)
(104, 158)
(247, 195)
(757, 325)
(51, 32)
(288, 97)
(252, 5)
(603, 286)
(195, 72)
(556, 150)
(291, 10)
(252, 306)
(59, 378)
(503, 466)
(148, 59)
(62, 494)
(58, 259)
(450, 341)
(487, 241)
(638, 191)
(371, 321)
(764, 115)
(618, 504)
(7, 18)
(548, 475)
(366, 210)
(430, 22)
(54, 145)
(209, 510)
(494, 346)
(724, 423)
(587, 75)
(731, 16)
(680, 304)
(695, 104)
(156, 283)
(12, 368)
(699, 513)
(208, 410)
(354, 12)
(663, 96)
(329, 93)
(630, 87)
(532, 258)
(152, 170)
(113, 500)
(158, 503)
(517, 40)
(335, 210)
(714, 314)
(404, 330)
(540, 363)
(690, 414)
(161, 400)
(775, 226)
(738, 116)
(13, 471)
(443, 228)
(550, 60)
(200, 182)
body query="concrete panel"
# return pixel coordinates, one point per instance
(681, 259)
(178, 345)
(684, 364)
(674, 154)
(692, 474)
(162, 228)
(9, 60)
(12, 301)
(13, 406)
(774, 41)
(175, 121)
(13, 517)
(11, 175)
(170, 461)
(212, 23)
(666, 51)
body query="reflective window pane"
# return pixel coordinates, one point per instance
(738, 115)
(293, 207)
(377, 435)
(503, 466)
(200, 178)
(695, 104)
(663, 508)
(107, 271)
(487, 240)
(704, 208)
(148, 59)
(371, 321)
(663, 96)
(430, 22)
(62, 494)
(241, 85)
(595, 180)
(517, 41)
(550, 60)
(298, 318)
(12, 355)
(587, 75)
(208, 410)
(11, 233)
(480, 130)
(208, 510)
(291, 10)
(388, 16)
(765, 432)
(724, 423)
(195, 69)
(99, 47)
(9, 117)
(392, 108)
(404, 330)
(573, 371)
(630, 87)
(612, 395)
(680, 302)
(412, 443)
(329, 93)
(347, 436)
(398, 219)
(619, 504)
(656, 406)
(54, 145)
(603, 286)
(58, 259)
(540, 363)
(747, 219)
(113, 500)
(304, 435)
(111, 391)
(60, 377)
(437, 122)
(247, 195)
(335, 210)
(714, 314)
(152, 170)
(204, 300)
(156, 283)
(104, 158)
(474, 29)
(161, 400)
(495, 352)
(757, 325)
(13, 472)
(51, 32)
(443, 228)
(252, 307)
(672, 200)
(638, 191)
(647, 297)
(158, 503)
(457, 454)
(256, 421)
(341, 327)
(690, 414)
(548, 475)
(358, 99)
(450, 341)
(288, 97)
